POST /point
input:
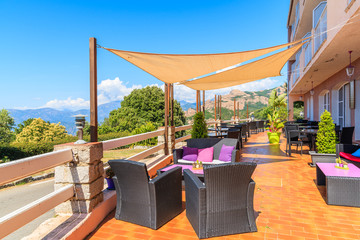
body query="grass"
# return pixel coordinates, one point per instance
(120, 153)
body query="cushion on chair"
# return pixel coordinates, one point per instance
(350, 157)
(190, 154)
(356, 153)
(206, 154)
(225, 153)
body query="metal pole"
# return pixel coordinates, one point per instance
(93, 91)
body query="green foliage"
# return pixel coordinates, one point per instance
(199, 128)
(39, 130)
(6, 124)
(139, 107)
(148, 127)
(21, 126)
(326, 136)
(5, 159)
(275, 123)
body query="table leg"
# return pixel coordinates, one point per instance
(320, 176)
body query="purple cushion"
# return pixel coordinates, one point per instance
(206, 154)
(190, 154)
(225, 153)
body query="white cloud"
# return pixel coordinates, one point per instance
(114, 90)
(69, 103)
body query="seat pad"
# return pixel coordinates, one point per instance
(348, 156)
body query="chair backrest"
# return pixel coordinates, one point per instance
(252, 125)
(243, 129)
(132, 175)
(227, 185)
(223, 124)
(260, 124)
(346, 135)
(290, 136)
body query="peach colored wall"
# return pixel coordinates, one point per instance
(333, 83)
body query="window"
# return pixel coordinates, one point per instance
(320, 25)
(341, 105)
(327, 101)
(294, 26)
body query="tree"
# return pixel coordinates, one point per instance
(139, 107)
(39, 130)
(6, 124)
(21, 126)
(326, 136)
(199, 128)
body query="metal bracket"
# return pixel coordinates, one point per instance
(75, 160)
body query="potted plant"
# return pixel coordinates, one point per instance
(275, 126)
(199, 128)
(108, 176)
(325, 140)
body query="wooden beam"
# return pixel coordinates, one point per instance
(238, 109)
(197, 101)
(220, 107)
(172, 118)
(93, 91)
(166, 144)
(204, 102)
(24, 167)
(234, 109)
(29, 212)
(215, 110)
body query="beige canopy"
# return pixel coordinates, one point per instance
(172, 68)
(263, 68)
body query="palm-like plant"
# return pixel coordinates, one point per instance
(276, 103)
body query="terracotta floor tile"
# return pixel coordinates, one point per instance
(289, 203)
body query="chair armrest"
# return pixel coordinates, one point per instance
(195, 202)
(250, 205)
(177, 154)
(165, 196)
(347, 148)
(235, 156)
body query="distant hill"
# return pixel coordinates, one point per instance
(65, 117)
(186, 105)
(255, 100)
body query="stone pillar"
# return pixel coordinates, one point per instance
(86, 174)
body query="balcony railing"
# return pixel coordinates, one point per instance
(320, 33)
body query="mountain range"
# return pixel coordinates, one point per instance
(65, 117)
(255, 100)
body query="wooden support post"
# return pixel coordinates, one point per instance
(215, 109)
(204, 102)
(238, 109)
(172, 118)
(247, 110)
(220, 107)
(93, 91)
(234, 109)
(166, 143)
(197, 101)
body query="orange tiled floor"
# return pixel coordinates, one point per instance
(290, 204)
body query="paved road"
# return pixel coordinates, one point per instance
(16, 197)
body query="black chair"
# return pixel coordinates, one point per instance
(244, 131)
(235, 133)
(252, 127)
(260, 125)
(346, 135)
(223, 204)
(293, 136)
(149, 203)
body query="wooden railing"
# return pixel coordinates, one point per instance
(25, 167)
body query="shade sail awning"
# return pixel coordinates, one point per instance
(263, 68)
(172, 68)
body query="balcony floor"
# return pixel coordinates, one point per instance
(289, 203)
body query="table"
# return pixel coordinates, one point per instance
(198, 173)
(342, 186)
(217, 135)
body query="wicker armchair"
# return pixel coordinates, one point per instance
(149, 203)
(224, 204)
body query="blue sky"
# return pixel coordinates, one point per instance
(44, 59)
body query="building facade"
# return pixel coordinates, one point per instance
(317, 72)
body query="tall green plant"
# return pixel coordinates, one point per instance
(199, 128)
(326, 136)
